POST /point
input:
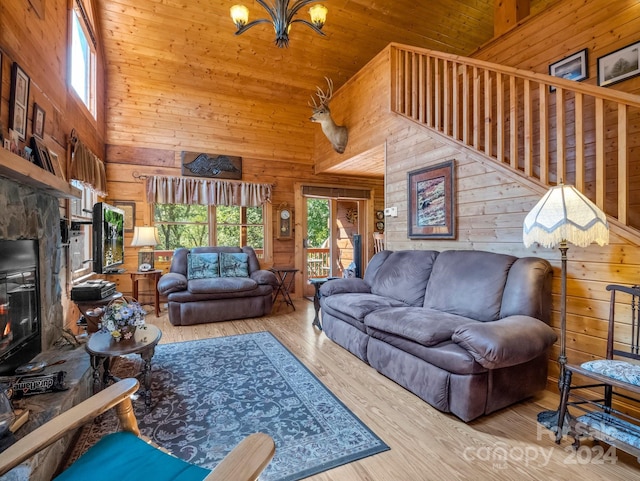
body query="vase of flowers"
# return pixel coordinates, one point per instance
(122, 317)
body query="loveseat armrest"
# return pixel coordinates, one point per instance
(345, 285)
(506, 342)
(172, 282)
(264, 277)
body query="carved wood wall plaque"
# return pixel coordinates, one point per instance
(211, 165)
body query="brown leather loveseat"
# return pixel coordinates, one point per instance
(467, 331)
(209, 284)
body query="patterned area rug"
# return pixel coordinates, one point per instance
(209, 394)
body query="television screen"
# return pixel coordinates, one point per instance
(108, 238)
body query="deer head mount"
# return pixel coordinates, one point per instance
(337, 134)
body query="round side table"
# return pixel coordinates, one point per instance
(101, 348)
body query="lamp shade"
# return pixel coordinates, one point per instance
(318, 14)
(564, 214)
(239, 15)
(146, 236)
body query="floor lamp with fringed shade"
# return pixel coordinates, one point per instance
(564, 216)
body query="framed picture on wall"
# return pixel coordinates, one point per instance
(431, 202)
(38, 121)
(574, 67)
(620, 65)
(129, 208)
(18, 104)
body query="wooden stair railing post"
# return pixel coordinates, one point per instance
(579, 128)
(623, 166)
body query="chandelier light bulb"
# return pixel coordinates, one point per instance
(239, 15)
(318, 14)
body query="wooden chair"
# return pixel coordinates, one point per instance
(124, 455)
(378, 242)
(614, 378)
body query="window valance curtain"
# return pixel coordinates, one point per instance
(87, 167)
(188, 190)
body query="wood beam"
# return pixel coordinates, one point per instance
(507, 14)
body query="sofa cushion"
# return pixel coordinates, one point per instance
(202, 266)
(234, 264)
(506, 342)
(468, 283)
(447, 356)
(221, 285)
(352, 308)
(403, 276)
(423, 326)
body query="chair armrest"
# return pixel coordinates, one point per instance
(115, 395)
(246, 460)
(265, 277)
(172, 282)
(505, 342)
(341, 286)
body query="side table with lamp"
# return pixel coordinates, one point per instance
(146, 237)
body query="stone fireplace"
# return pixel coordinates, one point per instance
(28, 213)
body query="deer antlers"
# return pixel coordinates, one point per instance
(324, 98)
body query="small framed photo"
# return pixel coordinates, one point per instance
(619, 65)
(432, 202)
(18, 105)
(38, 121)
(41, 154)
(574, 67)
(56, 165)
(129, 208)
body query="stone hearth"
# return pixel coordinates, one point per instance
(32, 213)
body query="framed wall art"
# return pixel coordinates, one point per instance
(55, 163)
(129, 208)
(431, 203)
(38, 121)
(574, 67)
(620, 65)
(18, 105)
(41, 155)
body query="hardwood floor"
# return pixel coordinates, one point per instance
(425, 443)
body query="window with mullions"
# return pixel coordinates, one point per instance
(182, 225)
(83, 58)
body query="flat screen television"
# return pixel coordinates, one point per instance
(108, 238)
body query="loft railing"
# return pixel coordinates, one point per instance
(546, 127)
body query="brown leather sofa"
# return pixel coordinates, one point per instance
(467, 331)
(212, 299)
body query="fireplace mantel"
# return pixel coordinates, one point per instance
(16, 168)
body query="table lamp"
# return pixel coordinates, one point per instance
(563, 216)
(146, 238)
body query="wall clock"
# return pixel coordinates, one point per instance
(285, 220)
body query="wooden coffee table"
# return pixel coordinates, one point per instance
(101, 348)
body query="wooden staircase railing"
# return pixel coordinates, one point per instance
(546, 127)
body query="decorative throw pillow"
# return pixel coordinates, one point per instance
(234, 265)
(202, 266)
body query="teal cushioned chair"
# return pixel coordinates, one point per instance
(125, 456)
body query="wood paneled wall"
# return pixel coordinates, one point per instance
(40, 47)
(125, 164)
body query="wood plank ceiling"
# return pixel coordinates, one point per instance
(178, 78)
